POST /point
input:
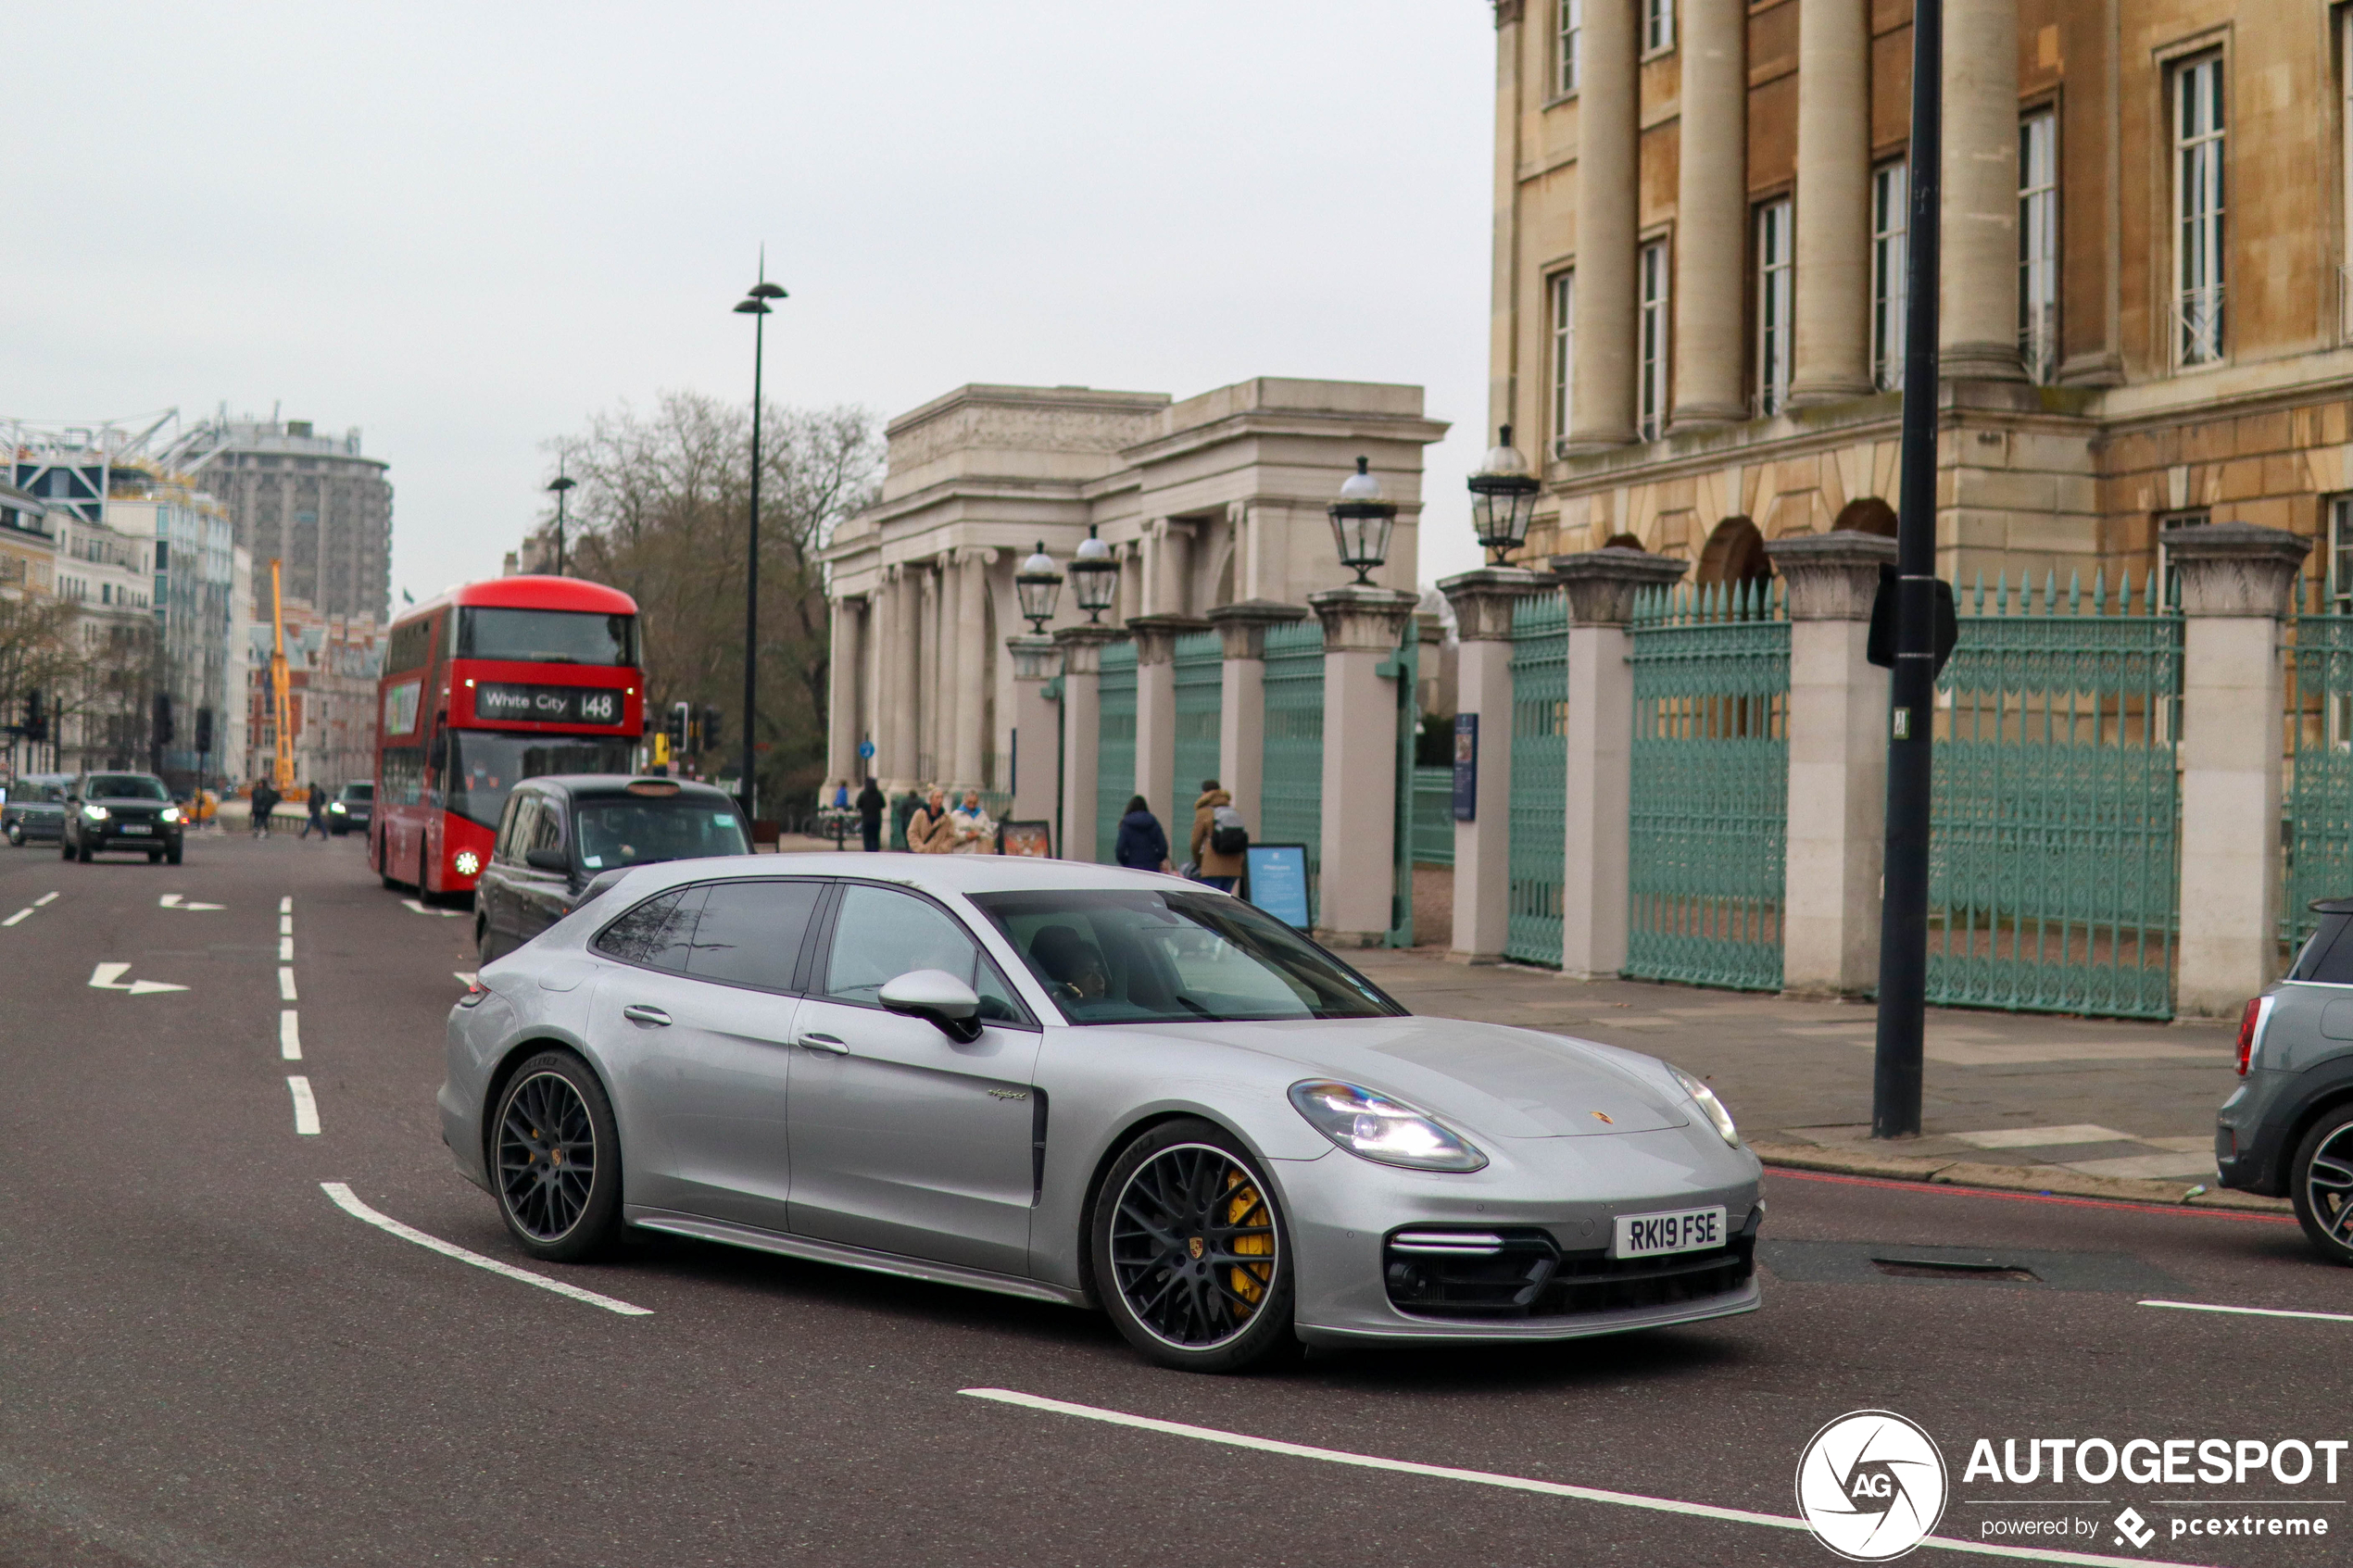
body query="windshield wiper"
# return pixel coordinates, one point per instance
(1191, 1006)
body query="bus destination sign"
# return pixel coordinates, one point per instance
(547, 705)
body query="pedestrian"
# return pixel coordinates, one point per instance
(1217, 858)
(1143, 847)
(841, 795)
(931, 831)
(870, 814)
(975, 829)
(316, 818)
(265, 801)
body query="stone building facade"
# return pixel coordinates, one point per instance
(1701, 212)
(315, 502)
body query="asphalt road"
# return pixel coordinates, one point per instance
(203, 1360)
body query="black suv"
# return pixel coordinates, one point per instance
(352, 806)
(559, 834)
(36, 807)
(113, 812)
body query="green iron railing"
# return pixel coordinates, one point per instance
(1710, 799)
(1200, 689)
(2319, 753)
(1539, 763)
(1433, 816)
(1115, 747)
(2054, 842)
(1292, 768)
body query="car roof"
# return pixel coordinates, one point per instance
(617, 784)
(933, 874)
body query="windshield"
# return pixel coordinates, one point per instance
(32, 790)
(548, 636)
(484, 766)
(126, 787)
(1121, 957)
(360, 792)
(630, 833)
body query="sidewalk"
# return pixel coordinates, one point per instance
(2090, 1107)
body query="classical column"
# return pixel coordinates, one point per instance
(1241, 713)
(1602, 417)
(1082, 650)
(1036, 757)
(2235, 579)
(1156, 716)
(1599, 728)
(1356, 872)
(968, 639)
(899, 654)
(1837, 763)
(1979, 340)
(1483, 602)
(844, 715)
(1833, 202)
(1711, 221)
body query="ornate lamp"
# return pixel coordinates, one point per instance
(1037, 585)
(1094, 576)
(1361, 522)
(1503, 499)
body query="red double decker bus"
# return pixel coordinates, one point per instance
(484, 686)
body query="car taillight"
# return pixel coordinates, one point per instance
(2248, 1021)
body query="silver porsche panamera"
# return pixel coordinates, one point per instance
(1084, 1085)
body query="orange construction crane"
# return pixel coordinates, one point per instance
(281, 704)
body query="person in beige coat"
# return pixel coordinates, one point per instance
(1219, 870)
(930, 830)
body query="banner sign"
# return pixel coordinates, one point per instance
(548, 705)
(1278, 881)
(1467, 767)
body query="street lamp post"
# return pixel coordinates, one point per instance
(1361, 522)
(755, 305)
(1038, 584)
(558, 486)
(1094, 576)
(1503, 499)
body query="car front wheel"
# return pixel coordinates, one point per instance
(556, 1155)
(1190, 1255)
(16, 836)
(2322, 1187)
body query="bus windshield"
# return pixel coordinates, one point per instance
(484, 766)
(547, 636)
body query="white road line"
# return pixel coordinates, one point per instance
(305, 1106)
(285, 986)
(2250, 1311)
(349, 1203)
(1514, 1483)
(286, 925)
(42, 899)
(464, 978)
(285, 950)
(290, 1036)
(285, 905)
(18, 916)
(167, 900)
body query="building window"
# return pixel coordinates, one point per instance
(1568, 26)
(2197, 211)
(2038, 246)
(1651, 410)
(1890, 221)
(2341, 555)
(1658, 25)
(1564, 352)
(1776, 304)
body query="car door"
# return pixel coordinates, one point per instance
(540, 897)
(506, 853)
(904, 1140)
(706, 1011)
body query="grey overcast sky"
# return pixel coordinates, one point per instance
(464, 228)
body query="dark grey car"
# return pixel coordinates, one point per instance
(35, 810)
(353, 808)
(559, 834)
(118, 812)
(2287, 1131)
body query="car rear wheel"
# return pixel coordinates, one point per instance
(556, 1156)
(173, 854)
(1190, 1255)
(2322, 1186)
(155, 857)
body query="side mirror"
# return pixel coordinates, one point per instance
(547, 861)
(938, 997)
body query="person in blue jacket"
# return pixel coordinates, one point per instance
(1142, 845)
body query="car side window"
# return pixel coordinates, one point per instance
(546, 826)
(509, 844)
(657, 933)
(880, 933)
(750, 933)
(2328, 957)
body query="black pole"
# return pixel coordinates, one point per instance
(1903, 932)
(752, 562)
(560, 533)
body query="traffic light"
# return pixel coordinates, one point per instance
(203, 730)
(36, 717)
(712, 729)
(677, 728)
(163, 730)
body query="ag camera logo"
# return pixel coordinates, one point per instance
(1871, 1485)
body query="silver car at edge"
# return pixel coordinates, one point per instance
(1084, 1085)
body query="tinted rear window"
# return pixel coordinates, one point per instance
(634, 832)
(360, 792)
(2328, 957)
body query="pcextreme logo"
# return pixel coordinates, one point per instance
(1871, 1485)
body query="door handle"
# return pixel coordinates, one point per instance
(639, 1014)
(825, 1042)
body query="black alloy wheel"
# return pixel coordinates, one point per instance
(2322, 1186)
(1189, 1253)
(556, 1157)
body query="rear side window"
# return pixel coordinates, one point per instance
(656, 934)
(750, 933)
(2328, 957)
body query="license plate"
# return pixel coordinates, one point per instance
(130, 828)
(1686, 1229)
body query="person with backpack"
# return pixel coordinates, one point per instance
(1219, 838)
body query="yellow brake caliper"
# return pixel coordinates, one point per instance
(1243, 1201)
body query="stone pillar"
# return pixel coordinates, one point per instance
(967, 640)
(844, 712)
(1156, 715)
(1356, 874)
(1834, 202)
(1979, 340)
(1037, 755)
(1483, 602)
(1241, 714)
(1600, 731)
(1711, 226)
(1837, 764)
(1168, 575)
(1602, 417)
(897, 719)
(2235, 581)
(1082, 649)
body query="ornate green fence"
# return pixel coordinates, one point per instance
(2320, 752)
(1291, 767)
(1433, 816)
(1114, 747)
(1539, 779)
(1710, 809)
(1200, 695)
(2053, 881)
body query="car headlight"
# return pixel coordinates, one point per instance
(96, 813)
(1705, 1097)
(169, 813)
(336, 805)
(1384, 1131)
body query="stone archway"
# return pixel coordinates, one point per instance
(1867, 514)
(1734, 553)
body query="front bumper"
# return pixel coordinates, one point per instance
(42, 829)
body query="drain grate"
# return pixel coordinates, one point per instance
(1955, 1268)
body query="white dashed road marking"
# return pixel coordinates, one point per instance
(444, 914)
(18, 916)
(285, 950)
(464, 978)
(285, 986)
(286, 925)
(285, 905)
(42, 899)
(305, 1106)
(2250, 1311)
(349, 1203)
(290, 1036)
